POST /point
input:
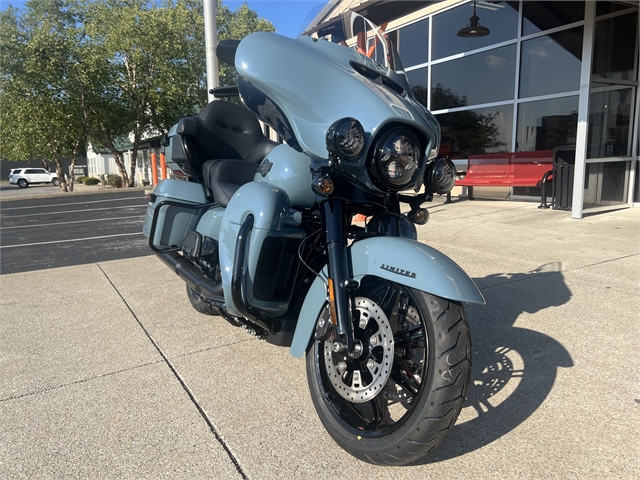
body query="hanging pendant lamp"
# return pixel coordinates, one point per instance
(473, 29)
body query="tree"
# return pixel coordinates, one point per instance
(155, 68)
(104, 69)
(40, 118)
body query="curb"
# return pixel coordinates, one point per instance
(7, 197)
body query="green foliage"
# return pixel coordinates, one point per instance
(114, 180)
(81, 179)
(40, 115)
(90, 181)
(102, 69)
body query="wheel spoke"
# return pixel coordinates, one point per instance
(410, 337)
(389, 301)
(400, 376)
(380, 412)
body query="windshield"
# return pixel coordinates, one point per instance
(355, 31)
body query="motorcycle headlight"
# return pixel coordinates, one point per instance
(396, 160)
(440, 176)
(345, 138)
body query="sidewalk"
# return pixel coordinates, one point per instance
(123, 379)
(13, 192)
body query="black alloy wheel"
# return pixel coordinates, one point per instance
(401, 396)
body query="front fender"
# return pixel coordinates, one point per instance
(399, 260)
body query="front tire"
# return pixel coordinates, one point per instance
(426, 386)
(55, 182)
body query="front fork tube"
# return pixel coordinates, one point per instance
(334, 223)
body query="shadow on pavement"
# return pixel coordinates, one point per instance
(514, 368)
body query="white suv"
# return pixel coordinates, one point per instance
(23, 177)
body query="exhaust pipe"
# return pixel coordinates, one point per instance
(192, 276)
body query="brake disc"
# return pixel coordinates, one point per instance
(364, 377)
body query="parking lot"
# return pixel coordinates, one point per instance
(42, 233)
(112, 374)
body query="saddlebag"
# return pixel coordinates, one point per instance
(174, 209)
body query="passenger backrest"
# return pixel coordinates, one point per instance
(222, 130)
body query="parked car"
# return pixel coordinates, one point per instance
(23, 177)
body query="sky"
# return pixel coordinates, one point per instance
(286, 15)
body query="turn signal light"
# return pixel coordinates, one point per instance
(323, 186)
(420, 216)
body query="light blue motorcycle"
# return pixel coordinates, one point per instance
(265, 234)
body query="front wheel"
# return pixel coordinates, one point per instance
(401, 395)
(55, 182)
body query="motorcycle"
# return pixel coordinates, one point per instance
(265, 234)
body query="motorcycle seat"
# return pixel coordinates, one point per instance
(221, 131)
(225, 177)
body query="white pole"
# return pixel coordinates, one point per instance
(583, 111)
(210, 40)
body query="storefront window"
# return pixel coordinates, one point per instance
(551, 64)
(603, 8)
(541, 16)
(501, 18)
(609, 121)
(615, 48)
(606, 183)
(418, 82)
(545, 124)
(481, 130)
(413, 43)
(481, 78)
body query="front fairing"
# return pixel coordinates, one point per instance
(301, 86)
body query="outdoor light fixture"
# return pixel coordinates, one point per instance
(473, 29)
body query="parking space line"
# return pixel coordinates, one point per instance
(70, 211)
(72, 240)
(68, 223)
(75, 203)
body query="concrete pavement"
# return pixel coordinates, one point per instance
(107, 372)
(13, 192)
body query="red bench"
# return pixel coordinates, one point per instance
(515, 169)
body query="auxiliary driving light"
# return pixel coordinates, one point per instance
(440, 176)
(345, 138)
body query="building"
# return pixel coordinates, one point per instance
(100, 161)
(549, 74)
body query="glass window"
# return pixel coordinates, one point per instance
(501, 18)
(482, 130)
(481, 78)
(545, 124)
(413, 43)
(541, 16)
(551, 64)
(418, 82)
(602, 8)
(606, 183)
(609, 121)
(615, 48)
